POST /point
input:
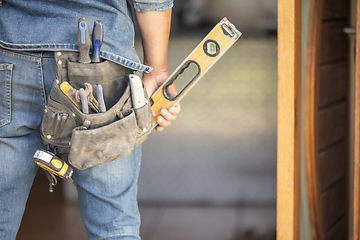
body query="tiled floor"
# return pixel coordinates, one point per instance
(48, 217)
(208, 223)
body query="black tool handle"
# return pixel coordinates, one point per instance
(97, 39)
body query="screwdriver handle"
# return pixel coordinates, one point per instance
(83, 40)
(97, 39)
(100, 98)
(84, 102)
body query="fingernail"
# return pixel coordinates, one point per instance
(163, 112)
(159, 120)
(171, 110)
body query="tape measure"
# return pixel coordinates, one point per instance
(51, 163)
(203, 57)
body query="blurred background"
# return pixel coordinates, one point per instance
(212, 173)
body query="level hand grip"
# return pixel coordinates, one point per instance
(174, 77)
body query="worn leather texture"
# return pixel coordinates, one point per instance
(95, 138)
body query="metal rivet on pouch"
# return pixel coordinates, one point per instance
(58, 53)
(64, 117)
(57, 81)
(74, 115)
(45, 110)
(87, 123)
(59, 62)
(48, 136)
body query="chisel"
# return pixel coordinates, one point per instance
(83, 40)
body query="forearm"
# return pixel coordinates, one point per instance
(155, 31)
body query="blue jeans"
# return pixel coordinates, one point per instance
(107, 193)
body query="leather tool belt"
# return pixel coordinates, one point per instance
(94, 138)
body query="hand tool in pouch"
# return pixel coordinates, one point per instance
(53, 165)
(100, 98)
(71, 93)
(84, 101)
(97, 39)
(137, 91)
(203, 57)
(75, 97)
(83, 40)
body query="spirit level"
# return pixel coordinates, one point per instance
(203, 57)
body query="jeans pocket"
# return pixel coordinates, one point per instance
(5, 93)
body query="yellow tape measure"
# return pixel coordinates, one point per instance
(50, 162)
(203, 57)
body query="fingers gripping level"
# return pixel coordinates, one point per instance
(204, 56)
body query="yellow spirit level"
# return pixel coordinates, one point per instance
(203, 57)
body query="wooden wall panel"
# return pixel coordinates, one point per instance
(336, 9)
(332, 165)
(327, 91)
(338, 231)
(333, 116)
(334, 201)
(334, 42)
(332, 125)
(332, 87)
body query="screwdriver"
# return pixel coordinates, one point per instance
(83, 40)
(97, 39)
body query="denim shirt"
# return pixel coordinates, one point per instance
(51, 25)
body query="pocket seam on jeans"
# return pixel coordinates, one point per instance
(7, 68)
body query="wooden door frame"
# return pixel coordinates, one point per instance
(356, 200)
(289, 120)
(311, 103)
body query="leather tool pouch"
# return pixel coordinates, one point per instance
(96, 138)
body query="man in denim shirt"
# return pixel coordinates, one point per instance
(30, 31)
